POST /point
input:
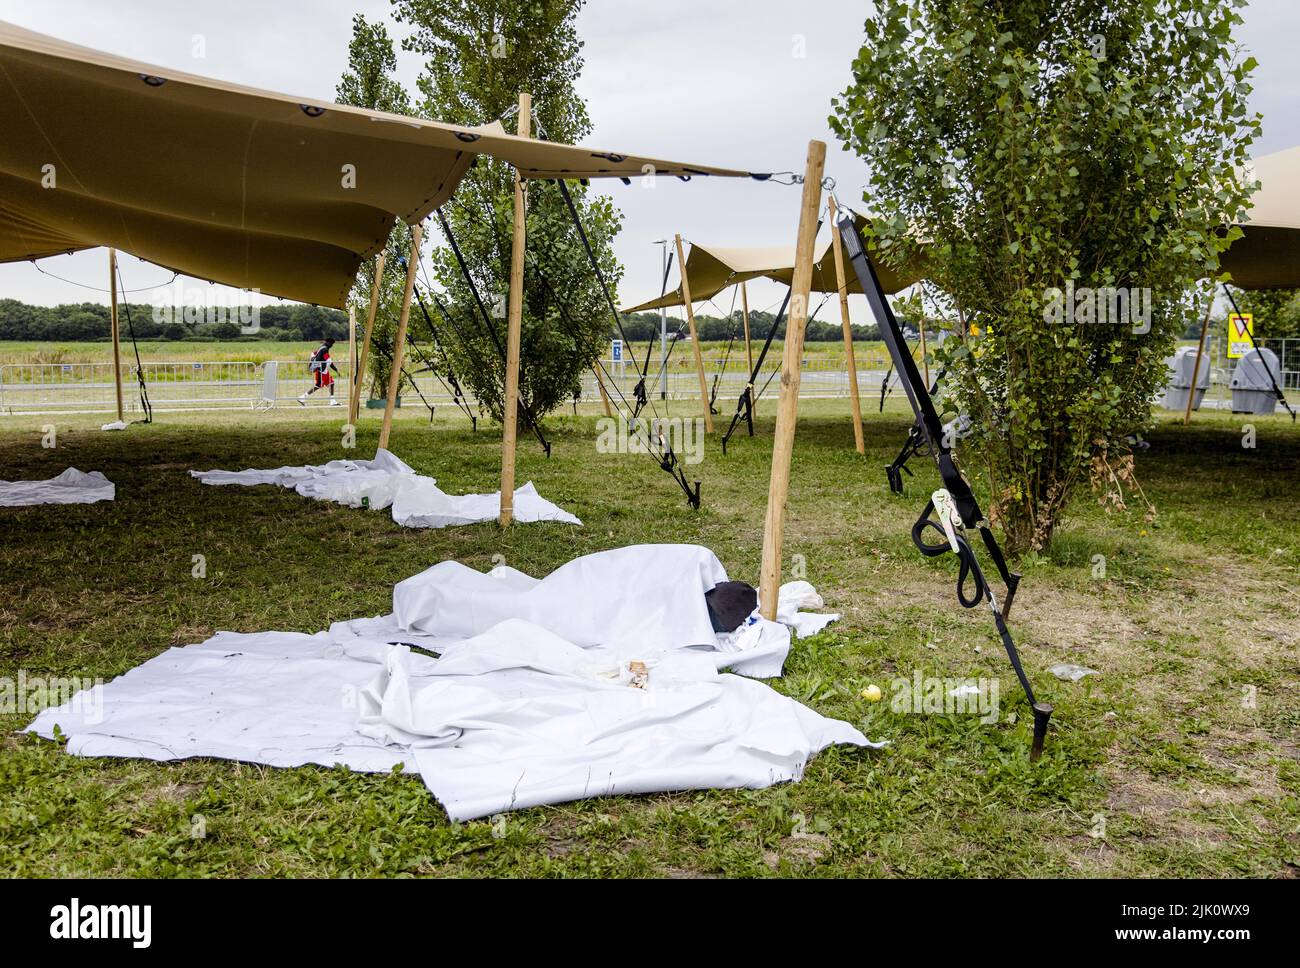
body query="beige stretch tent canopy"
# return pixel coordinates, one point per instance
(712, 268)
(1268, 256)
(228, 183)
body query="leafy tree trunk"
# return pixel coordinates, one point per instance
(480, 55)
(367, 83)
(1063, 168)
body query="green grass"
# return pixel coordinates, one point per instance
(1158, 753)
(163, 351)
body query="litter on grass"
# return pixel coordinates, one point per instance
(70, 487)
(388, 482)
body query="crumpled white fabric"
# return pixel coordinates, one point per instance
(634, 601)
(70, 487)
(387, 481)
(795, 596)
(518, 717)
(510, 716)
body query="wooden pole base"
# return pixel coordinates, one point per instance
(787, 413)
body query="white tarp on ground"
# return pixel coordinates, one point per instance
(70, 487)
(511, 714)
(388, 481)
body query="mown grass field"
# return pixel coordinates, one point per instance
(1181, 758)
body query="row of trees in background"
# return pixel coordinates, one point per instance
(90, 321)
(1277, 315)
(641, 327)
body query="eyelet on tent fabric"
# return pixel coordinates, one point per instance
(467, 136)
(153, 80)
(312, 110)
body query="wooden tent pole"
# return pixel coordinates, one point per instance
(787, 412)
(116, 333)
(924, 362)
(695, 339)
(749, 348)
(510, 406)
(850, 361)
(1196, 370)
(370, 328)
(604, 394)
(399, 341)
(352, 362)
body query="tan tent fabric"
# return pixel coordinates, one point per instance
(713, 268)
(1268, 257)
(229, 183)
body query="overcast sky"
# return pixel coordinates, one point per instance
(708, 81)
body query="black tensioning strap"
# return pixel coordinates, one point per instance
(1277, 390)
(771, 376)
(640, 390)
(458, 394)
(529, 418)
(406, 374)
(744, 405)
(141, 385)
(726, 356)
(969, 568)
(454, 389)
(468, 346)
(913, 446)
(966, 507)
(591, 257)
(667, 458)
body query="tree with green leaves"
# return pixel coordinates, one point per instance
(368, 82)
(479, 56)
(1043, 156)
(1276, 311)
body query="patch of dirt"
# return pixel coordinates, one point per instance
(191, 634)
(799, 849)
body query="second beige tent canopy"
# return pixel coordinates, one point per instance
(711, 269)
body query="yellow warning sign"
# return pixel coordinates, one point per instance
(1240, 327)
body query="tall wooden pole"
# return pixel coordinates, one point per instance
(749, 349)
(510, 411)
(370, 328)
(399, 341)
(850, 361)
(924, 361)
(604, 394)
(787, 413)
(352, 362)
(1196, 370)
(117, 338)
(695, 339)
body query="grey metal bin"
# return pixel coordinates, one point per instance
(1184, 381)
(1252, 390)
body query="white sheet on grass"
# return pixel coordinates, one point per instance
(387, 481)
(70, 487)
(529, 702)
